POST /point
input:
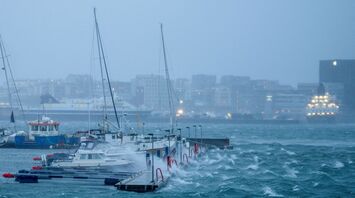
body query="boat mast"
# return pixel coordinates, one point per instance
(14, 83)
(7, 80)
(103, 63)
(101, 70)
(168, 82)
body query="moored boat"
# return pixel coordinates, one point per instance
(44, 134)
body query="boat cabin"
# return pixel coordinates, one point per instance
(45, 126)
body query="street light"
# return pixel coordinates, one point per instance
(195, 131)
(151, 134)
(188, 128)
(179, 129)
(168, 140)
(201, 133)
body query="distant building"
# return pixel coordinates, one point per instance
(289, 105)
(223, 99)
(202, 81)
(308, 89)
(340, 71)
(154, 90)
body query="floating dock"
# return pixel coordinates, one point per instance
(142, 183)
(104, 177)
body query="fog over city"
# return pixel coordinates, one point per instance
(177, 98)
(273, 40)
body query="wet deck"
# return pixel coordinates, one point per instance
(141, 182)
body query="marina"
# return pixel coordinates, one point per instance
(104, 99)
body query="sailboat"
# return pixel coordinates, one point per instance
(42, 133)
(6, 134)
(171, 136)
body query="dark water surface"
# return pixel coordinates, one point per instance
(267, 160)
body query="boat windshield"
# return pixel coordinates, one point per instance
(93, 156)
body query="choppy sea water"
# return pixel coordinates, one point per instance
(267, 161)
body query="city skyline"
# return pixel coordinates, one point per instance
(273, 40)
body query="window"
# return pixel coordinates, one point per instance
(34, 128)
(83, 156)
(50, 127)
(43, 128)
(96, 156)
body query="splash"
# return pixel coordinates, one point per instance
(288, 152)
(338, 164)
(291, 172)
(269, 192)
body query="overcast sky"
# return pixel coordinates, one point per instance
(274, 39)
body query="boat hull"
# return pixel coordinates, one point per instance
(46, 142)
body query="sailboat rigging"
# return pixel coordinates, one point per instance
(168, 82)
(7, 69)
(103, 67)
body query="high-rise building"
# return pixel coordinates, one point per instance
(341, 72)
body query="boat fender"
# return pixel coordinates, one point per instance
(196, 148)
(8, 175)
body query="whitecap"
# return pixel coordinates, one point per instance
(256, 158)
(181, 181)
(315, 184)
(288, 152)
(225, 177)
(208, 174)
(231, 161)
(295, 188)
(269, 192)
(291, 172)
(269, 171)
(226, 167)
(338, 164)
(253, 167)
(233, 156)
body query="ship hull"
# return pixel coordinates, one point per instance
(46, 142)
(322, 119)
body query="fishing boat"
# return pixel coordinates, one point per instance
(44, 134)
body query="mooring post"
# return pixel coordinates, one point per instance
(188, 129)
(201, 134)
